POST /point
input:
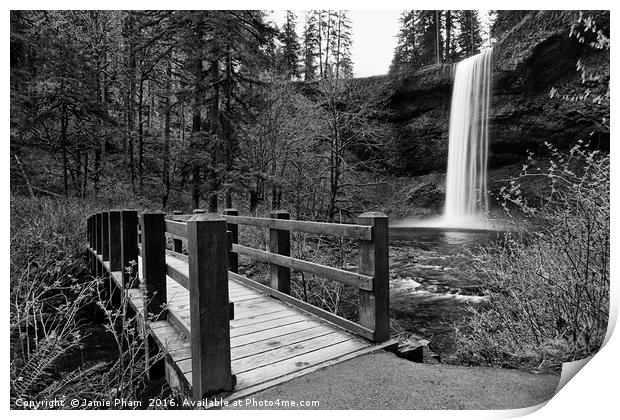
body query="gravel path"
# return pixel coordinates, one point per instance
(384, 381)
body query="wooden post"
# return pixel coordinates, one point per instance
(98, 233)
(209, 307)
(177, 244)
(129, 248)
(114, 235)
(374, 261)
(105, 237)
(93, 243)
(280, 243)
(98, 265)
(154, 264)
(89, 236)
(233, 258)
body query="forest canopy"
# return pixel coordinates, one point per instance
(188, 107)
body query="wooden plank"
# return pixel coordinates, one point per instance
(129, 248)
(272, 332)
(233, 258)
(276, 355)
(374, 312)
(252, 304)
(293, 364)
(177, 275)
(174, 254)
(114, 228)
(255, 343)
(252, 389)
(281, 341)
(179, 322)
(98, 267)
(105, 236)
(209, 309)
(286, 352)
(333, 229)
(244, 297)
(285, 319)
(260, 326)
(249, 315)
(243, 292)
(257, 317)
(117, 276)
(327, 316)
(280, 243)
(178, 229)
(359, 281)
(179, 217)
(154, 264)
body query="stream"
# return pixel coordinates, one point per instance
(429, 288)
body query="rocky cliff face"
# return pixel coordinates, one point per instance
(531, 59)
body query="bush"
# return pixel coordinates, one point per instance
(548, 282)
(53, 298)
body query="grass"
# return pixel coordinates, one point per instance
(55, 303)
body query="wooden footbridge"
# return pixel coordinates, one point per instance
(220, 331)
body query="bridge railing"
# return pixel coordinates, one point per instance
(209, 243)
(119, 237)
(371, 280)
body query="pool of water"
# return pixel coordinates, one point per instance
(429, 286)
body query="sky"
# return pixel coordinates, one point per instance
(374, 37)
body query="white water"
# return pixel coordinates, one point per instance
(466, 183)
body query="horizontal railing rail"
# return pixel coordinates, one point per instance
(350, 231)
(371, 280)
(349, 278)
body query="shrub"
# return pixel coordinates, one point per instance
(548, 282)
(52, 301)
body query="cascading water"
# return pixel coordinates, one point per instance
(466, 184)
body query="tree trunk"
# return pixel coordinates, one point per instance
(85, 178)
(437, 37)
(28, 184)
(96, 170)
(253, 201)
(229, 133)
(215, 116)
(471, 30)
(141, 134)
(166, 158)
(448, 48)
(329, 15)
(129, 99)
(319, 29)
(63, 140)
(196, 125)
(338, 44)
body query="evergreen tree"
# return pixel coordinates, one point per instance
(469, 39)
(311, 45)
(405, 53)
(427, 36)
(341, 45)
(420, 40)
(290, 47)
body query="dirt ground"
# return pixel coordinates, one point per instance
(383, 381)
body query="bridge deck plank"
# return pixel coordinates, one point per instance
(271, 341)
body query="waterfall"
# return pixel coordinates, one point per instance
(466, 184)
